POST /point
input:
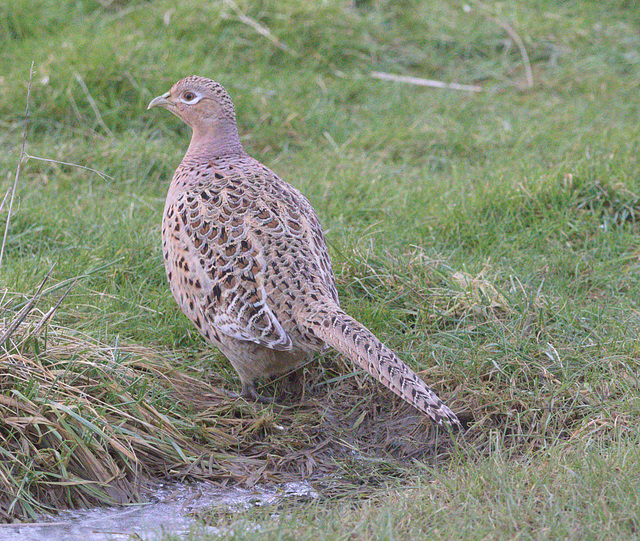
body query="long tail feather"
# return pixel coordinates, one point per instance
(351, 338)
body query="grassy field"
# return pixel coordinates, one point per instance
(490, 238)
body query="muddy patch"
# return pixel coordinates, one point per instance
(173, 509)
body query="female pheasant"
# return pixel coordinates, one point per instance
(247, 260)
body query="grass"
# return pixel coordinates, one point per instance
(490, 238)
(584, 495)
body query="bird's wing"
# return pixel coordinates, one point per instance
(319, 250)
(224, 263)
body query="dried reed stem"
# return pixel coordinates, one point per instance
(419, 81)
(22, 154)
(259, 28)
(523, 51)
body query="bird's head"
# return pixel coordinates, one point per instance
(204, 105)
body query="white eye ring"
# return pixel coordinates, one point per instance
(188, 94)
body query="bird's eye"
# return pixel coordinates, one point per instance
(189, 97)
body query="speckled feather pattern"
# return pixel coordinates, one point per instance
(248, 264)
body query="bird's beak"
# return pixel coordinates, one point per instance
(160, 101)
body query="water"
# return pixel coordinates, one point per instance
(170, 513)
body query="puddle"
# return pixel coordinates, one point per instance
(168, 513)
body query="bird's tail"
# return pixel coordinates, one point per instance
(349, 337)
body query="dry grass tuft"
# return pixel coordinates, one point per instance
(79, 422)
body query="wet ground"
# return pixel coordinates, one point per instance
(172, 510)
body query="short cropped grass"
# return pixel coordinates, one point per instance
(490, 238)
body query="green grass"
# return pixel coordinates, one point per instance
(587, 494)
(490, 238)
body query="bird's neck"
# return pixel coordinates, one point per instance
(213, 143)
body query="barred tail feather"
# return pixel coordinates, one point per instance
(354, 340)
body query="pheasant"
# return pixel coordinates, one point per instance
(248, 264)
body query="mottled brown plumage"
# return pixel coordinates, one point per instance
(247, 260)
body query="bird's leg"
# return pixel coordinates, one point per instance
(249, 393)
(293, 383)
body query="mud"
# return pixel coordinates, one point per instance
(172, 509)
